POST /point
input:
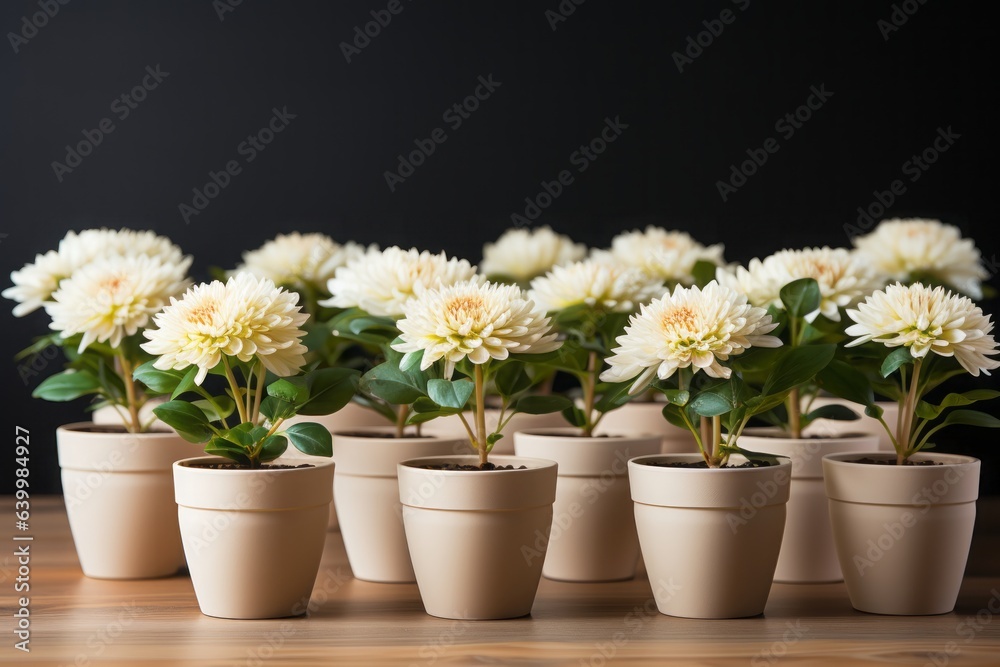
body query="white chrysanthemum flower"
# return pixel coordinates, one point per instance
(844, 278)
(35, 283)
(667, 255)
(246, 317)
(115, 297)
(691, 327)
(381, 282)
(524, 254)
(904, 250)
(481, 321)
(610, 287)
(926, 319)
(297, 260)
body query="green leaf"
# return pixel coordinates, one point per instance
(310, 438)
(844, 381)
(492, 438)
(450, 394)
(275, 408)
(542, 405)
(896, 358)
(226, 404)
(366, 324)
(330, 389)
(971, 418)
(512, 379)
(574, 416)
(836, 412)
(613, 396)
(218, 446)
(388, 382)
(675, 415)
(720, 398)
(797, 366)
(156, 380)
(186, 384)
(189, 422)
(273, 447)
(67, 386)
(292, 390)
(926, 410)
(801, 297)
(703, 272)
(677, 396)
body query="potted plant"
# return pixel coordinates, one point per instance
(99, 289)
(805, 291)
(471, 523)
(903, 521)
(593, 535)
(253, 531)
(674, 258)
(369, 293)
(695, 513)
(305, 263)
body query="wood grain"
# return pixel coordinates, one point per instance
(81, 621)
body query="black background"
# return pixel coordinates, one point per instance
(325, 172)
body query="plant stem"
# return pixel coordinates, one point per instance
(716, 432)
(235, 388)
(134, 425)
(402, 412)
(904, 436)
(261, 373)
(708, 445)
(481, 415)
(589, 382)
(793, 406)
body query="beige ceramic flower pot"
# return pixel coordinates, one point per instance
(253, 538)
(349, 418)
(593, 529)
(646, 418)
(472, 535)
(808, 554)
(366, 491)
(119, 496)
(109, 415)
(903, 532)
(710, 537)
(450, 428)
(866, 425)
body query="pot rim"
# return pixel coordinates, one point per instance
(77, 429)
(506, 459)
(185, 463)
(641, 460)
(961, 459)
(574, 433)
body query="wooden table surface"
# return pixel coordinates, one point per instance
(80, 621)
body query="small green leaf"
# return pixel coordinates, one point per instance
(226, 404)
(292, 390)
(450, 394)
(189, 422)
(801, 297)
(310, 438)
(186, 384)
(275, 408)
(845, 381)
(677, 396)
(542, 405)
(926, 410)
(574, 416)
(67, 386)
(796, 366)
(388, 382)
(512, 379)
(896, 358)
(492, 438)
(156, 380)
(708, 404)
(330, 389)
(273, 447)
(613, 396)
(971, 418)
(836, 412)
(703, 272)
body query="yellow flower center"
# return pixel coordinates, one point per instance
(203, 314)
(679, 316)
